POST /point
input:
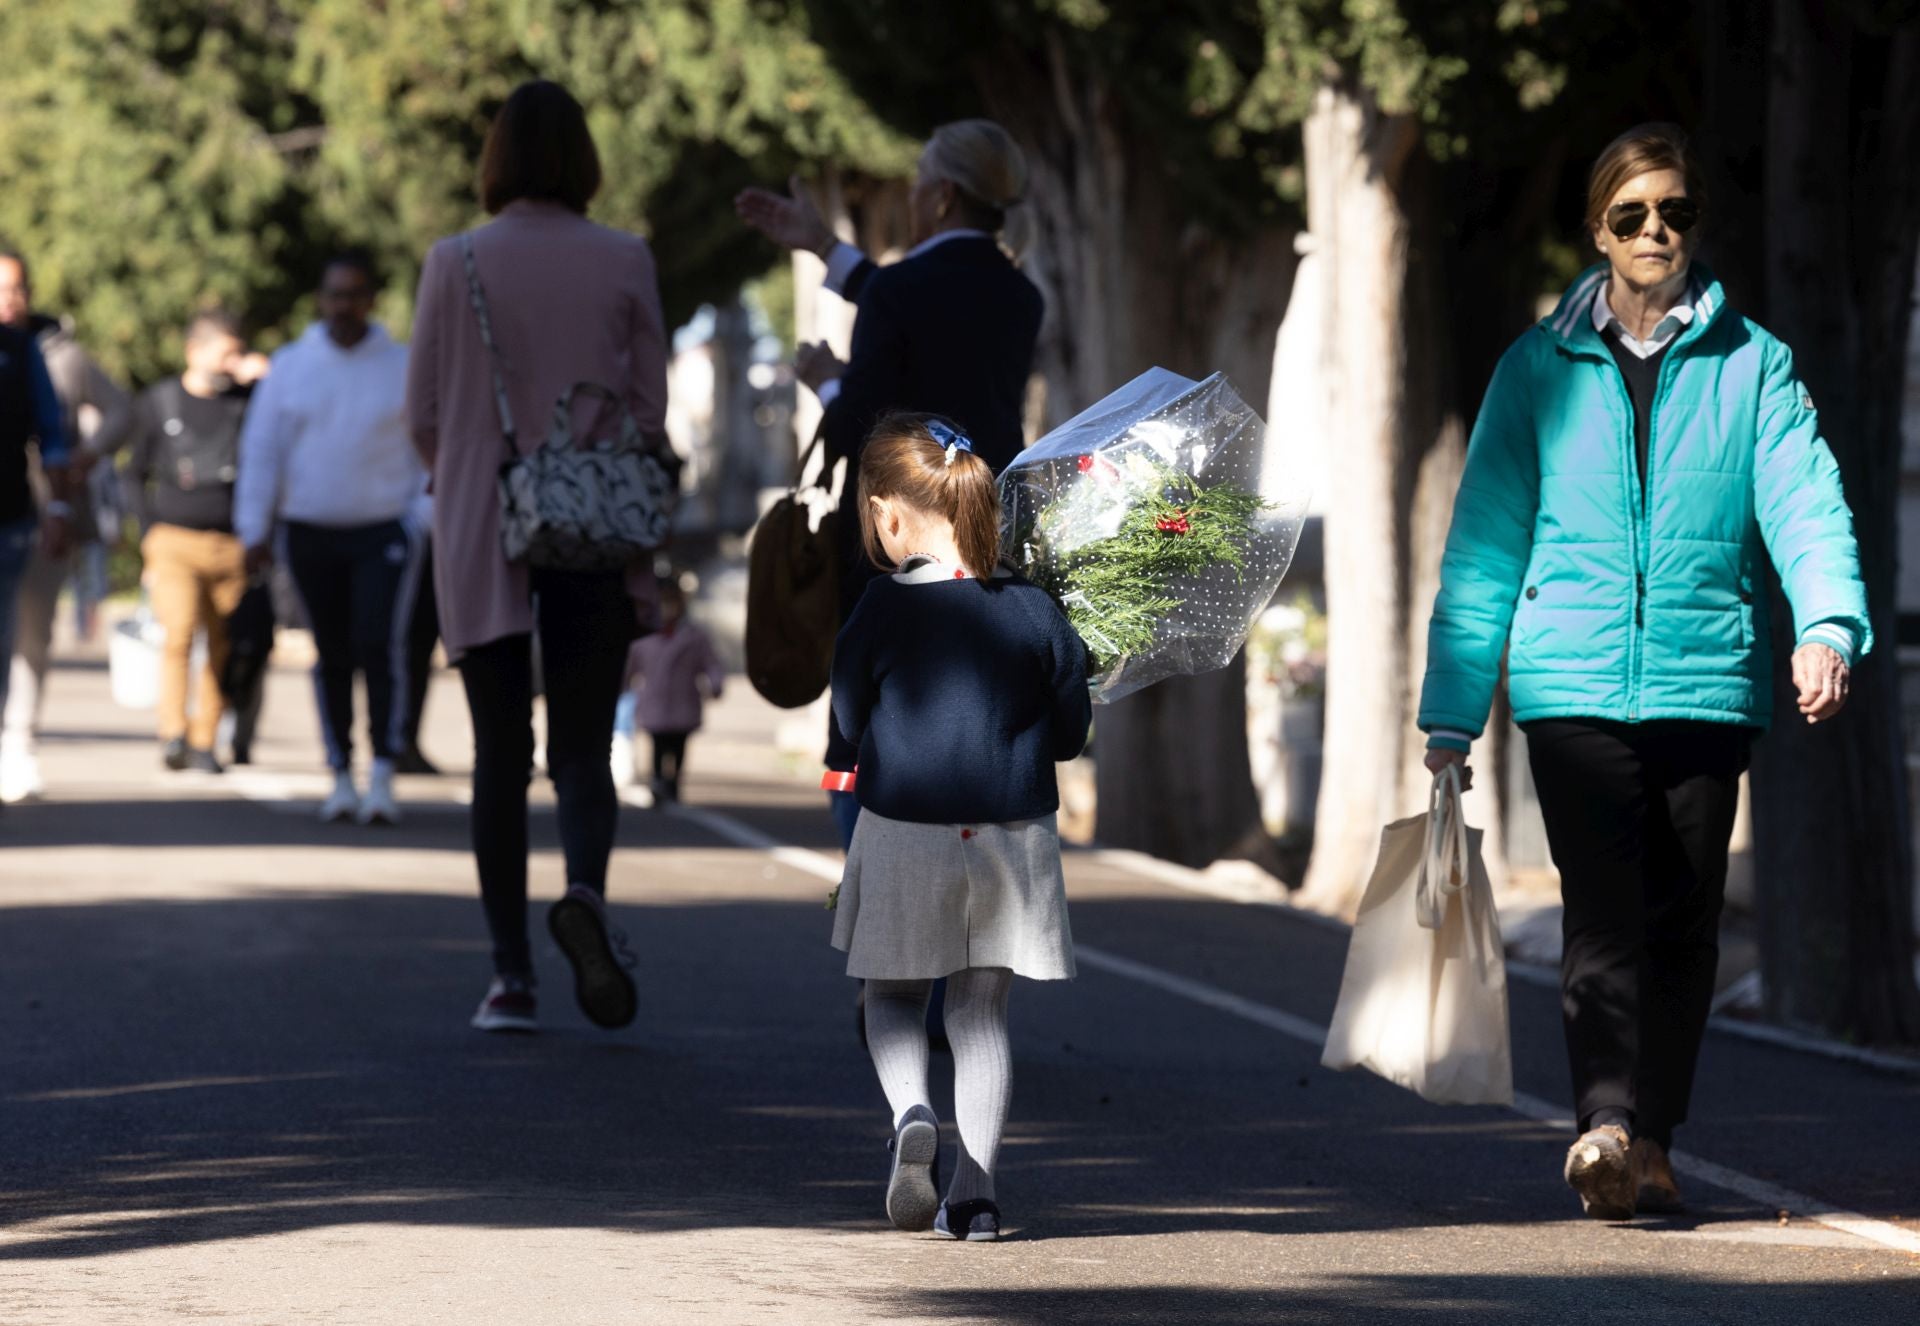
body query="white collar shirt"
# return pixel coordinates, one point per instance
(1677, 319)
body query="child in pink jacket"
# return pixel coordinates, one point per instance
(665, 672)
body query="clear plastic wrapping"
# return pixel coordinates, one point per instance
(1162, 523)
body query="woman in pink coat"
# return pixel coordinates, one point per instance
(569, 301)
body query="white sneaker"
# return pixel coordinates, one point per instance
(20, 778)
(622, 761)
(509, 1006)
(378, 806)
(343, 803)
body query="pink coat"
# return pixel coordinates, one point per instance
(570, 301)
(665, 670)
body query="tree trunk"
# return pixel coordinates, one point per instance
(1132, 282)
(1356, 159)
(1831, 837)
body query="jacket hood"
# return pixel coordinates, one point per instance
(1571, 322)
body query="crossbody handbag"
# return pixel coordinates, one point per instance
(584, 500)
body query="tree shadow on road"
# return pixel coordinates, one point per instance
(191, 1071)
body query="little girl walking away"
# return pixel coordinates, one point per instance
(665, 673)
(961, 684)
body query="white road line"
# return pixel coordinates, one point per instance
(1769, 1195)
(1236, 890)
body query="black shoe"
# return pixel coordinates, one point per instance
(175, 754)
(600, 958)
(413, 762)
(240, 755)
(203, 761)
(977, 1221)
(913, 1184)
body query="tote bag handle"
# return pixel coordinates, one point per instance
(1444, 868)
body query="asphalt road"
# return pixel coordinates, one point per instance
(236, 1084)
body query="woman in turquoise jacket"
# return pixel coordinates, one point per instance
(1639, 455)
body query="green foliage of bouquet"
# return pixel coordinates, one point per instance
(1119, 590)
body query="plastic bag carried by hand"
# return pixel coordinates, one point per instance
(1160, 521)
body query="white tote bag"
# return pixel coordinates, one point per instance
(1423, 1001)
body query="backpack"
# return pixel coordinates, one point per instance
(793, 594)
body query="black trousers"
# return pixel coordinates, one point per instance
(357, 584)
(1639, 817)
(669, 756)
(423, 633)
(584, 623)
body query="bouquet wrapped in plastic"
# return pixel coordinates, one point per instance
(1160, 521)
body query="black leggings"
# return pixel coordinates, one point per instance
(669, 756)
(585, 623)
(1639, 817)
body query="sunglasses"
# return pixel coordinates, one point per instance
(1626, 219)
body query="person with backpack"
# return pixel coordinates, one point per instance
(511, 319)
(970, 363)
(180, 474)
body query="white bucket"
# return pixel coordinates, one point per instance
(133, 663)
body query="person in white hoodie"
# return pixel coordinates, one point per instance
(328, 473)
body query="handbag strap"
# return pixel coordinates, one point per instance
(806, 458)
(479, 298)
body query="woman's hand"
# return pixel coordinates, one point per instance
(1823, 679)
(816, 365)
(792, 222)
(1439, 758)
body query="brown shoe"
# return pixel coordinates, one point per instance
(1655, 1189)
(1600, 1169)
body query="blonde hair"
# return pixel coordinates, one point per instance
(904, 462)
(982, 161)
(1640, 151)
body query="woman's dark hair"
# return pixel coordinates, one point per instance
(539, 147)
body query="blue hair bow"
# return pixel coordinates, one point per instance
(952, 439)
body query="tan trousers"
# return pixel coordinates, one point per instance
(195, 579)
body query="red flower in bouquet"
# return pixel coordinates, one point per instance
(1174, 524)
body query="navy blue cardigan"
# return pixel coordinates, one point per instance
(960, 695)
(950, 331)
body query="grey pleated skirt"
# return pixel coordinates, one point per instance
(920, 901)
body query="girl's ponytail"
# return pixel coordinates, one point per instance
(975, 512)
(928, 463)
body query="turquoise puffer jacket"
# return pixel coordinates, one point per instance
(1623, 608)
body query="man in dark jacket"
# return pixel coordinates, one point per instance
(29, 422)
(94, 417)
